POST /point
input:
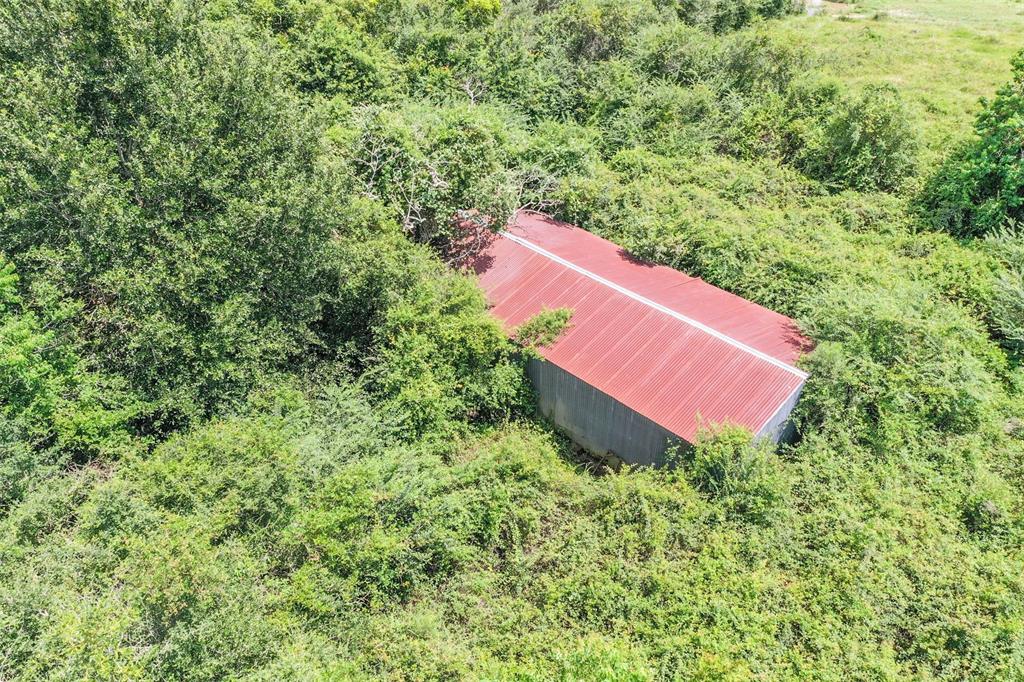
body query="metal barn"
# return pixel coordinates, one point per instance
(651, 354)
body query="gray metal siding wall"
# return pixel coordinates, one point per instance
(603, 425)
(594, 419)
(779, 428)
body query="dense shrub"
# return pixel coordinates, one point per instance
(562, 149)
(1005, 307)
(600, 29)
(989, 505)
(727, 466)
(428, 164)
(1008, 306)
(331, 59)
(170, 141)
(678, 52)
(668, 119)
(867, 144)
(980, 187)
(50, 396)
(720, 16)
(427, 349)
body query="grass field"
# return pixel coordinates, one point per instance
(943, 55)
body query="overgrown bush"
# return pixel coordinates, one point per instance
(333, 60)
(1007, 303)
(544, 328)
(721, 16)
(676, 51)
(427, 349)
(729, 467)
(50, 396)
(989, 505)
(171, 140)
(868, 143)
(597, 30)
(1008, 306)
(980, 187)
(428, 164)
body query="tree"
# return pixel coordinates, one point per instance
(160, 174)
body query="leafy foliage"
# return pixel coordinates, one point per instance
(54, 409)
(725, 465)
(981, 188)
(544, 328)
(1007, 303)
(867, 144)
(431, 164)
(251, 426)
(139, 160)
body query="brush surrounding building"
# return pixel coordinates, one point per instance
(651, 355)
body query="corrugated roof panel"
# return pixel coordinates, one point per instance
(670, 346)
(757, 326)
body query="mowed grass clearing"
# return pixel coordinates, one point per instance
(943, 55)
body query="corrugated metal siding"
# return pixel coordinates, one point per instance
(670, 347)
(595, 420)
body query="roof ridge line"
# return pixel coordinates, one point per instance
(657, 306)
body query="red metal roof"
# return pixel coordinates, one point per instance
(670, 346)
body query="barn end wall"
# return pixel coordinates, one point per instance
(604, 426)
(780, 428)
(595, 420)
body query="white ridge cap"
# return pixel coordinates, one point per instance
(657, 306)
